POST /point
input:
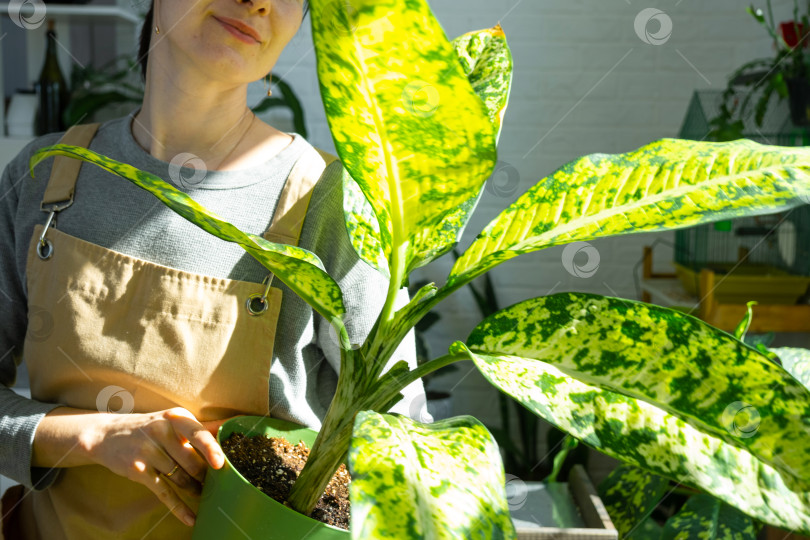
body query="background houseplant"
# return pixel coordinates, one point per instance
(641, 383)
(786, 75)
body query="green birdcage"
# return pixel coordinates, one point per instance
(764, 258)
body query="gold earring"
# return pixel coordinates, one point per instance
(157, 30)
(269, 90)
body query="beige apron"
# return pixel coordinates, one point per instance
(131, 335)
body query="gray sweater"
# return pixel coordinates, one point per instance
(112, 212)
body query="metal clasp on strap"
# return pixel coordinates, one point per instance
(257, 303)
(44, 246)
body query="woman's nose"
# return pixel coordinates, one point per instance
(262, 7)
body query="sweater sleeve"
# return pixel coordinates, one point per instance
(19, 416)
(364, 291)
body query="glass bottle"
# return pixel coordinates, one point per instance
(52, 90)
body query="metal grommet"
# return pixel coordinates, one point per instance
(48, 248)
(256, 304)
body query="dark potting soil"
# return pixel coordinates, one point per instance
(273, 464)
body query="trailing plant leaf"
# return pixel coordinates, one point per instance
(703, 516)
(665, 185)
(797, 362)
(299, 269)
(669, 359)
(629, 495)
(376, 108)
(412, 480)
(641, 434)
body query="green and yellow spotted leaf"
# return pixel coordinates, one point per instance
(441, 481)
(667, 184)
(642, 434)
(672, 360)
(362, 225)
(487, 62)
(629, 495)
(405, 120)
(486, 59)
(703, 517)
(796, 361)
(299, 269)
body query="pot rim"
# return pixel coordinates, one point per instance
(261, 419)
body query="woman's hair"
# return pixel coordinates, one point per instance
(146, 36)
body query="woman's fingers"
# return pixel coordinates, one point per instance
(192, 466)
(187, 427)
(159, 485)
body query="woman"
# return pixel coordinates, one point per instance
(117, 305)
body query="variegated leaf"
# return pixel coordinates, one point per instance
(299, 269)
(642, 434)
(705, 517)
(362, 225)
(668, 184)
(797, 362)
(672, 360)
(629, 495)
(405, 120)
(487, 61)
(441, 481)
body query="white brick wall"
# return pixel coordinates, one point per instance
(584, 82)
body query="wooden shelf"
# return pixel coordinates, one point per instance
(665, 290)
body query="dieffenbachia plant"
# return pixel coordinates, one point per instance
(631, 493)
(415, 120)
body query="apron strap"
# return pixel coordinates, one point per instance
(288, 219)
(65, 170)
(294, 200)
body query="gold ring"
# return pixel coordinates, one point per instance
(176, 466)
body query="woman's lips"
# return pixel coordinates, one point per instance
(238, 34)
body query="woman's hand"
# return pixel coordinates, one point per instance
(143, 447)
(146, 447)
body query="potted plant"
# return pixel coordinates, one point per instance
(647, 506)
(786, 74)
(416, 129)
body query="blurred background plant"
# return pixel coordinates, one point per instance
(785, 75)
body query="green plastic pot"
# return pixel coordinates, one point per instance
(231, 507)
